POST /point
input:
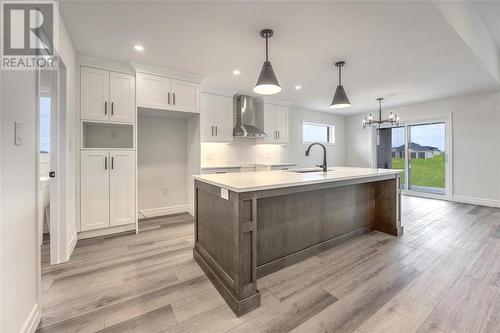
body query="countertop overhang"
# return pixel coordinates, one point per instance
(265, 180)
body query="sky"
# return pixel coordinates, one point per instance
(424, 135)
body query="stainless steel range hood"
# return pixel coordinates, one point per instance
(245, 119)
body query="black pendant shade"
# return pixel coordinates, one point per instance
(267, 83)
(340, 99)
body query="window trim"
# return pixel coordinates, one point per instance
(331, 131)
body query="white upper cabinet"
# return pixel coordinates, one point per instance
(94, 190)
(94, 94)
(216, 118)
(107, 96)
(273, 119)
(121, 188)
(153, 91)
(122, 97)
(281, 123)
(158, 92)
(185, 96)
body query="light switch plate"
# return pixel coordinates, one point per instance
(224, 193)
(18, 133)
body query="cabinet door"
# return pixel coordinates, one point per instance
(207, 127)
(222, 111)
(94, 178)
(94, 94)
(122, 188)
(281, 123)
(269, 124)
(153, 91)
(185, 96)
(122, 97)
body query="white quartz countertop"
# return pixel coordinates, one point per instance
(265, 180)
(235, 166)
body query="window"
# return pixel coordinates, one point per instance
(44, 123)
(314, 132)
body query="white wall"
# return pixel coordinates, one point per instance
(475, 138)
(162, 164)
(19, 256)
(250, 151)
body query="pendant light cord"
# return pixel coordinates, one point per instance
(380, 109)
(267, 52)
(340, 75)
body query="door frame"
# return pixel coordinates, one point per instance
(58, 156)
(448, 121)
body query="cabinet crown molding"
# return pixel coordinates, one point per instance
(166, 72)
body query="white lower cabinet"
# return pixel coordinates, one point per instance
(94, 190)
(107, 189)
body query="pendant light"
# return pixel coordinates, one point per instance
(393, 119)
(340, 99)
(267, 83)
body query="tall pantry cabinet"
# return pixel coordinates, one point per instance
(107, 150)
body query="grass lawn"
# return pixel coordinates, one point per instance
(424, 172)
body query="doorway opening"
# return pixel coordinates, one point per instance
(421, 151)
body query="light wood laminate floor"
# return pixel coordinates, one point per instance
(443, 275)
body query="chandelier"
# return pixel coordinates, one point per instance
(393, 118)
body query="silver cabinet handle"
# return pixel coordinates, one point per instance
(278, 134)
(105, 163)
(168, 94)
(215, 130)
(112, 163)
(105, 107)
(212, 131)
(112, 108)
(174, 98)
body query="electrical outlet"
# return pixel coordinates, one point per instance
(165, 191)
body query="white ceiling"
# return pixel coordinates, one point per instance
(489, 11)
(403, 51)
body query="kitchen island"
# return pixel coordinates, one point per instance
(251, 224)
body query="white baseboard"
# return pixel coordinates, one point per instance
(71, 245)
(477, 201)
(31, 323)
(153, 212)
(106, 231)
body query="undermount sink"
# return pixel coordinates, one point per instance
(309, 170)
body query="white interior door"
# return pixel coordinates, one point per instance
(185, 96)
(122, 97)
(94, 94)
(94, 175)
(122, 188)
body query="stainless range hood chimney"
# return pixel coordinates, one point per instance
(245, 119)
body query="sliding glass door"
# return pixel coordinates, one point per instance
(426, 150)
(420, 151)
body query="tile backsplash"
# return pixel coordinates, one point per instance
(242, 152)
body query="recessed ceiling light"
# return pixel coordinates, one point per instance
(236, 72)
(138, 47)
(298, 87)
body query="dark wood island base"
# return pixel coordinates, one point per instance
(252, 234)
